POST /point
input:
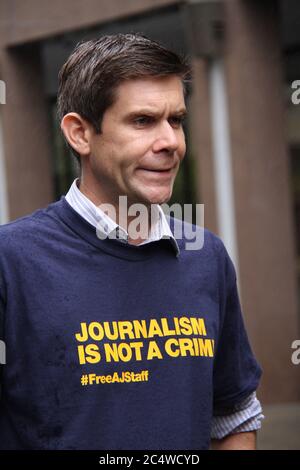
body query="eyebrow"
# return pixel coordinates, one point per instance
(148, 111)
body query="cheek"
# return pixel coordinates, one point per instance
(140, 142)
(135, 149)
(182, 149)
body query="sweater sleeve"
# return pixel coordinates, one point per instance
(236, 371)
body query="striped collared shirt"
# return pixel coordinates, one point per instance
(109, 228)
(248, 415)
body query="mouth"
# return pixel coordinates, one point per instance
(158, 170)
(157, 174)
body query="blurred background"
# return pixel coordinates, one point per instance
(243, 146)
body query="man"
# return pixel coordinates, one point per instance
(118, 338)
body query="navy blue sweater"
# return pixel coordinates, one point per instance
(115, 346)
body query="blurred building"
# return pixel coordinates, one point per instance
(243, 133)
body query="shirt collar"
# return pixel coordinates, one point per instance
(108, 227)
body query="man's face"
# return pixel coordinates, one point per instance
(142, 142)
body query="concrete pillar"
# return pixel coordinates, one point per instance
(3, 192)
(201, 142)
(264, 219)
(26, 132)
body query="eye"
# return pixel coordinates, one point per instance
(143, 120)
(177, 121)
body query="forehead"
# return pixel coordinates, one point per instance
(150, 91)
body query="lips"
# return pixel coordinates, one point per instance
(157, 174)
(159, 170)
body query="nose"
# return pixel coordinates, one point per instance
(167, 139)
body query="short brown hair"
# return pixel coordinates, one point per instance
(89, 78)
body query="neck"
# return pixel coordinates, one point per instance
(119, 215)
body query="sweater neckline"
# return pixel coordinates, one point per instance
(62, 210)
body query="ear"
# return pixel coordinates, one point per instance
(77, 131)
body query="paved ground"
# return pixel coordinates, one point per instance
(281, 427)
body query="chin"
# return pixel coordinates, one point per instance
(159, 197)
